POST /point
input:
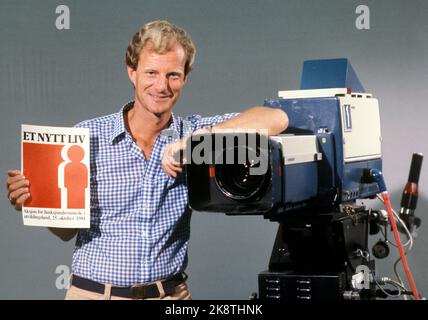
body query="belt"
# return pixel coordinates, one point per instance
(139, 291)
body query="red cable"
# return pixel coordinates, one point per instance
(400, 246)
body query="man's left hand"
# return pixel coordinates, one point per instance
(173, 157)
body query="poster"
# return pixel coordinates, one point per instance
(55, 160)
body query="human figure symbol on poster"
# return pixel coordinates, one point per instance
(75, 179)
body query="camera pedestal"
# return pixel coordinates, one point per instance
(315, 256)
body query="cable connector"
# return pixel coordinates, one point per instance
(381, 280)
(377, 176)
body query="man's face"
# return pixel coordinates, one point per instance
(158, 79)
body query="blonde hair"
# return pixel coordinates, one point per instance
(163, 35)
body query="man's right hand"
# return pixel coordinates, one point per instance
(17, 188)
(18, 192)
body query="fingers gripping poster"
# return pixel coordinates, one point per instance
(55, 161)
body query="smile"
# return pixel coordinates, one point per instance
(159, 98)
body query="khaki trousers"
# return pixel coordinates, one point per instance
(74, 293)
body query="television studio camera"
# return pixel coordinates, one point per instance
(309, 179)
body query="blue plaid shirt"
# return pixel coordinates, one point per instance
(140, 218)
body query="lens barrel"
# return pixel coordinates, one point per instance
(236, 181)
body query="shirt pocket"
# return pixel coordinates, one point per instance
(115, 187)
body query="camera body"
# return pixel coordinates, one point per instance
(318, 163)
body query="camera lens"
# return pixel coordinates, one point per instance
(236, 180)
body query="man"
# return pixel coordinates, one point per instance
(137, 245)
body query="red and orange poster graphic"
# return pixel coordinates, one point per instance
(55, 160)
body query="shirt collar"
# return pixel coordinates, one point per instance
(119, 129)
(119, 123)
